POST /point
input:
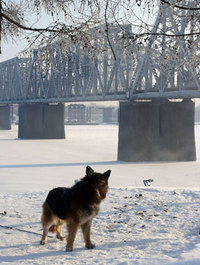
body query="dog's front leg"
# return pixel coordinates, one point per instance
(86, 227)
(72, 228)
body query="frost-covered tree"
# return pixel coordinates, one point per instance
(89, 22)
(64, 19)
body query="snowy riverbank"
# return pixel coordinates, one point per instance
(136, 225)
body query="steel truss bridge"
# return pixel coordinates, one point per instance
(145, 72)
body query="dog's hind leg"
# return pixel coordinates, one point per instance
(86, 227)
(47, 221)
(46, 228)
(59, 232)
(44, 236)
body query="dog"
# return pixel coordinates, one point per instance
(76, 207)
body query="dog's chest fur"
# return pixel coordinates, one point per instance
(85, 215)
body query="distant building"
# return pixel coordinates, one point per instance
(92, 114)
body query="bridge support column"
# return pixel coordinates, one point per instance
(5, 117)
(156, 131)
(41, 121)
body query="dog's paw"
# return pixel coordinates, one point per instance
(90, 246)
(43, 242)
(69, 248)
(62, 238)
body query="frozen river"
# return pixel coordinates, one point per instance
(27, 165)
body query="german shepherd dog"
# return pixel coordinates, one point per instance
(76, 207)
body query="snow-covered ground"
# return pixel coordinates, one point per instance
(136, 225)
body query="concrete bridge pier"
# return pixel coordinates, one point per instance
(5, 117)
(157, 131)
(41, 121)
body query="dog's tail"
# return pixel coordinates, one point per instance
(53, 229)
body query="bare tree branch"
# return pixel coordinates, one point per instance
(90, 24)
(107, 31)
(135, 36)
(30, 28)
(180, 7)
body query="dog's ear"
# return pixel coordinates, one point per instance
(107, 174)
(89, 170)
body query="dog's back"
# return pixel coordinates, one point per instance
(59, 200)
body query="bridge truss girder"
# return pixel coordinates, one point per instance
(167, 69)
(144, 73)
(75, 77)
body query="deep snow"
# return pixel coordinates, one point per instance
(136, 225)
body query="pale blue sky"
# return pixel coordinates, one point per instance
(10, 50)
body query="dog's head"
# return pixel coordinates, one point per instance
(99, 180)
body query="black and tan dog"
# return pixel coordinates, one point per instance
(75, 207)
